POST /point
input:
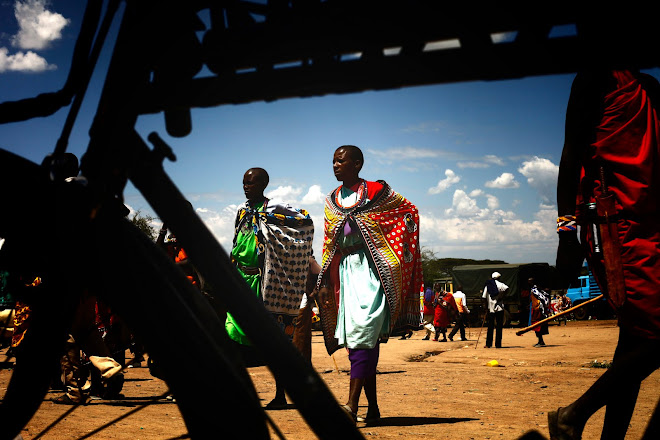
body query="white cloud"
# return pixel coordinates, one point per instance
(506, 180)
(23, 62)
(314, 196)
(490, 234)
(476, 227)
(465, 205)
(396, 155)
(220, 223)
(541, 175)
(492, 159)
(450, 179)
(484, 162)
(425, 127)
(493, 202)
(491, 231)
(472, 164)
(286, 194)
(38, 27)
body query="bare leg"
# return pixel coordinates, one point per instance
(634, 360)
(373, 412)
(279, 401)
(354, 392)
(619, 412)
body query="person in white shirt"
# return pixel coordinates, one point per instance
(493, 291)
(463, 310)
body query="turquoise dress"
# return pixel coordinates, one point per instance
(363, 315)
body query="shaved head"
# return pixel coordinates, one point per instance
(353, 152)
(255, 182)
(260, 174)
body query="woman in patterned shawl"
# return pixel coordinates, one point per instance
(371, 269)
(271, 250)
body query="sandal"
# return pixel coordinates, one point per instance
(64, 399)
(347, 409)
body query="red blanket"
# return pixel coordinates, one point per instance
(627, 147)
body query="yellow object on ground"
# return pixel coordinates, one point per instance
(493, 363)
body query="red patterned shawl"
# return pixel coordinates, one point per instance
(389, 224)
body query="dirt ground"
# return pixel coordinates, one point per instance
(428, 390)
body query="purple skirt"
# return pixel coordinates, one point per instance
(363, 361)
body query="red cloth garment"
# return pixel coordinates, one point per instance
(627, 147)
(389, 225)
(445, 308)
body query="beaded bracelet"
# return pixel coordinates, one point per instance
(566, 223)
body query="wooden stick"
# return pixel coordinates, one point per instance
(481, 328)
(336, 366)
(563, 312)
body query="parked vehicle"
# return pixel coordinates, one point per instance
(583, 290)
(444, 284)
(516, 299)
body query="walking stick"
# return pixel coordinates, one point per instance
(480, 329)
(563, 312)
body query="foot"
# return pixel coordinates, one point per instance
(426, 338)
(560, 429)
(443, 340)
(435, 339)
(64, 399)
(486, 346)
(277, 403)
(350, 413)
(373, 416)
(464, 339)
(113, 387)
(451, 338)
(136, 362)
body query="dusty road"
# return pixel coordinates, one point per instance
(427, 390)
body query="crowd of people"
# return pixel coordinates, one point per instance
(368, 281)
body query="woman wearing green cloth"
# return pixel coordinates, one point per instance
(271, 250)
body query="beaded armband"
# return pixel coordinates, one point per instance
(566, 223)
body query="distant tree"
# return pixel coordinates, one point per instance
(143, 223)
(438, 268)
(430, 266)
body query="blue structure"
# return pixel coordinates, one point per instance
(585, 289)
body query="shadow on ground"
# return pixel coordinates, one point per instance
(415, 421)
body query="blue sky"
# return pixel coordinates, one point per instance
(479, 159)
